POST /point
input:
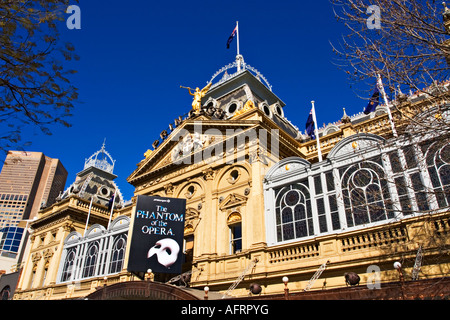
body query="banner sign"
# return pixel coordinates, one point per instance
(158, 233)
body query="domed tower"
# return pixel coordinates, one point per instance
(83, 210)
(95, 181)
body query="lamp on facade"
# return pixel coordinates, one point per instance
(105, 279)
(206, 289)
(398, 267)
(149, 276)
(286, 289)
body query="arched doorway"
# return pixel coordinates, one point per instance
(141, 290)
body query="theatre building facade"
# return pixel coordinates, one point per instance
(261, 202)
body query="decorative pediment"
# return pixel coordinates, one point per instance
(355, 143)
(290, 166)
(232, 200)
(181, 148)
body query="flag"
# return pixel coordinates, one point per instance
(231, 37)
(111, 202)
(310, 126)
(374, 101)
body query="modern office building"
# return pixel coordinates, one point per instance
(29, 181)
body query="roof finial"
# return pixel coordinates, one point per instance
(345, 118)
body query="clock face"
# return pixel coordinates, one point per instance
(189, 144)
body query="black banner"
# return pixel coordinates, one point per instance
(157, 238)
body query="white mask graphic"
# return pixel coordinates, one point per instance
(167, 251)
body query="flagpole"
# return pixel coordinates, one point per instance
(89, 214)
(316, 131)
(237, 34)
(112, 207)
(386, 102)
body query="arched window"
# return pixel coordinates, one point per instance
(438, 162)
(6, 293)
(365, 192)
(91, 260)
(293, 212)
(118, 253)
(68, 264)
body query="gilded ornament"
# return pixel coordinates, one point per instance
(198, 95)
(248, 106)
(148, 153)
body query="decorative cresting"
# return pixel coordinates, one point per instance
(241, 66)
(101, 160)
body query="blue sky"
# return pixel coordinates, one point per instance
(136, 54)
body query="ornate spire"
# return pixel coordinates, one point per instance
(101, 160)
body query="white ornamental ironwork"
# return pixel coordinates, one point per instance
(241, 66)
(100, 160)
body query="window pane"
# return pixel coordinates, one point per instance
(320, 206)
(395, 162)
(373, 193)
(405, 205)
(376, 211)
(360, 215)
(277, 215)
(422, 203)
(323, 224)
(237, 231)
(310, 226)
(300, 229)
(318, 184)
(434, 177)
(358, 198)
(330, 181)
(445, 153)
(292, 198)
(279, 234)
(400, 184)
(349, 217)
(299, 212)
(416, 181)
(238, 245)
(444, 173)
(410, 156)
(308, 209)
(288, 231)
(335, 221)
(286, 215)
(333, 202)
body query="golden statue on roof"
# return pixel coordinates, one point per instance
(198, 95)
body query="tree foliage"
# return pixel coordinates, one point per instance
(409, 49)
(34, 84)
